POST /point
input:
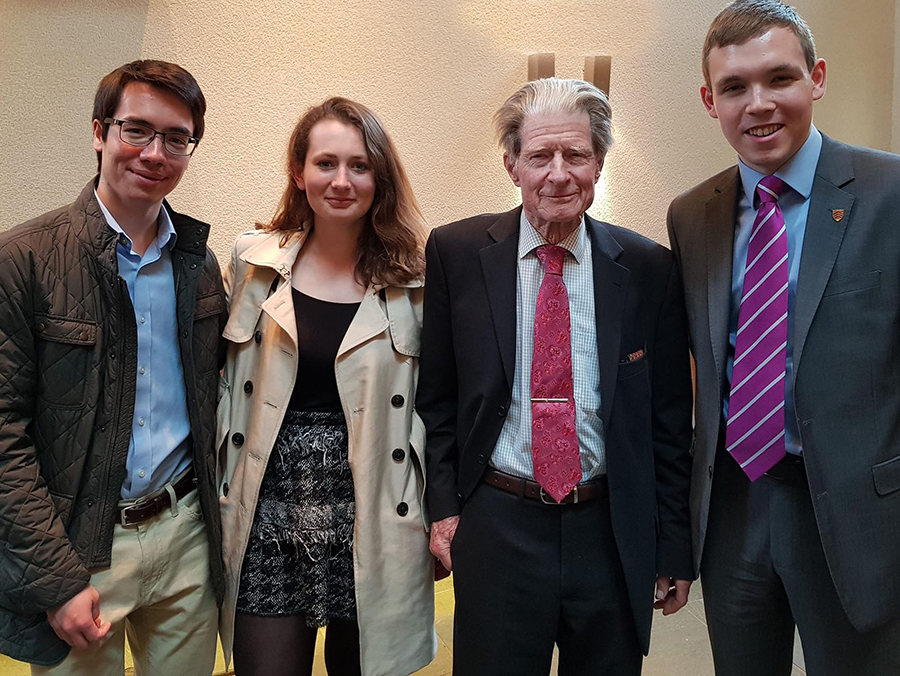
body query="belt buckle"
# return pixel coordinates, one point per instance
(123, 513)
(551, 501)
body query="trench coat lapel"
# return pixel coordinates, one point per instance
(369, 321)
(279, 305)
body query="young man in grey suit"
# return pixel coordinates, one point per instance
(791, 266)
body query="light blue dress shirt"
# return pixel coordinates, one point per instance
(799, 173)
(512, 453)
(160, 432)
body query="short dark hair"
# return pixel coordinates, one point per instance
(161, 74)
(744, 20)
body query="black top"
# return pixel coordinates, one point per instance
(321, 326)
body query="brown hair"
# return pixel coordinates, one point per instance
(391, 244)
(161, 74)
(747, 19)
(554, 95)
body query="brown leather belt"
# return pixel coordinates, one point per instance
(589, 490)
(150, 505)
(789, 468)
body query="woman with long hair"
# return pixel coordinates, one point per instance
(321, 467)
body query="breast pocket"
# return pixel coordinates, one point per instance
(65, 357)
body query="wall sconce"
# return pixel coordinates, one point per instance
(541, 66)
(596, 69)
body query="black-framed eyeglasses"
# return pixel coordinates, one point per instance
(137, 134)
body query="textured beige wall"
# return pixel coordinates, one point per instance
(435, 70)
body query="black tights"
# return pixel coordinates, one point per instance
(285, 646)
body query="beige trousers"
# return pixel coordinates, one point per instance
(157, 592)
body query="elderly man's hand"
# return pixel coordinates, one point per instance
(671, 594)
(77, 621)
(442, 533)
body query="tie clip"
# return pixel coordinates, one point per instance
(551, 400)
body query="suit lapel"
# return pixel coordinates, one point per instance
(823, 237)
(498, 264)
(610, 291)
(719, 229)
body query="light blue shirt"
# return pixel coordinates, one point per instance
(799, 173)
(512, 453)
(160, 432)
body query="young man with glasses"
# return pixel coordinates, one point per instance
(110, 314)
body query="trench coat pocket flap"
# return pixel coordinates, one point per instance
(887, 476)
(242, 322)
(65, 330)
(404, 311)
(246, 304)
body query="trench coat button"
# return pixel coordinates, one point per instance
(402, 509)
(42, 326)
(501, 410)
(225, 490)
(237, 439)
(398, 455)
(257, 337)
(481, 458)
(248, 387)
(397, 400)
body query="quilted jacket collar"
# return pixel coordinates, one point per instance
(92, 230)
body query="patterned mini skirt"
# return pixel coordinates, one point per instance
(299, 560)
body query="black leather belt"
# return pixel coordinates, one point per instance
(790, 468)
(589, 490)
(150, 505)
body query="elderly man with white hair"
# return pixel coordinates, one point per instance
(556, 392)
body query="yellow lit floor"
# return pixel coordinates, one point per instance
(679, 646)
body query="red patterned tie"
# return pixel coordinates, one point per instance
(754, 433)
(554, 442)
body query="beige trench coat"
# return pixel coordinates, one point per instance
(376, 371)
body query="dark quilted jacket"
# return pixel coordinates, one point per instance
(68, 353)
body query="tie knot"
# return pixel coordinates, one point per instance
(551, 258)
(770, 189)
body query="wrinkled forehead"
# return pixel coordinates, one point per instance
(556, 129)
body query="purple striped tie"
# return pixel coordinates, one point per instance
(754, 433)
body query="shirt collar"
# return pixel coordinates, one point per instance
(165, 233)
(799, 172)
(530, 239)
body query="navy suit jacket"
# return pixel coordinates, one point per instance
(467, 366)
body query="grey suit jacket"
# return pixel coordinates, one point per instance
(846, 351)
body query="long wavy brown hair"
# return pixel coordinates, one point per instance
(391, 244)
